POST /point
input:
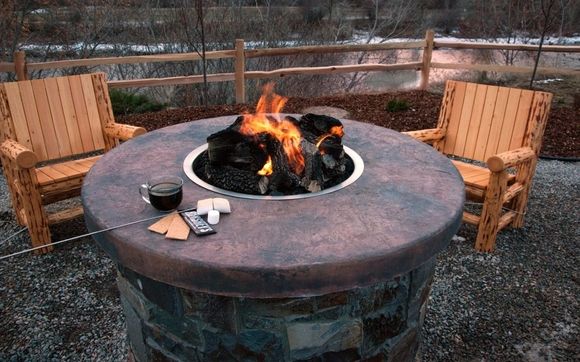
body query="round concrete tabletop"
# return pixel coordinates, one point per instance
(402, 211)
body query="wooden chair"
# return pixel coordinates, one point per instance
(49, 132)
(502, 127)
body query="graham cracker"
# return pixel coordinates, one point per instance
(162, 225)
(178, 229)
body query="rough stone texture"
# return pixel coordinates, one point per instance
(329, 111)
(372, 323)
(402, 210)
(162, 294)
(134, 331)
(307, 339)
(406, 347)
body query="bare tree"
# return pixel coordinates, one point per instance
(13, 22)
(545, 21)
(501, 21)
(387, 19)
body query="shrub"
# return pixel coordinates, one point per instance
(128, 103)
(397, 105)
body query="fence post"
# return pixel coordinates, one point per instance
(20, 65)
(427, 52)
(240, 68)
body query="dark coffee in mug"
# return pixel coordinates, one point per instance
(165, 196)
(163, 192)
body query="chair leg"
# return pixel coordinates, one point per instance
(519, 205)
(491, 213)
(17, 204)
(36, 218)
(520, 202)
(13, 185)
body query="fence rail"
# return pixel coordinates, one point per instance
(178, 57)
(525, 47)
(332, 69)
(181, 80)
(6, 67)
(327, 49)
(505, 68)
(239, 54)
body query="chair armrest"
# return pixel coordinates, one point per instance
(123, 132)
(17, 153)
(426, 135)
(501, 161)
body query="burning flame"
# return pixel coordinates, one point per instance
(334, 131)
(337, 131)
(267, 169)
(321, 139)
(284, 131)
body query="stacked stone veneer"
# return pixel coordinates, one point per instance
(377, 323)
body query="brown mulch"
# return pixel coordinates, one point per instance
(561, 139)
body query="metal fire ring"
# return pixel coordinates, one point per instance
(188, 169)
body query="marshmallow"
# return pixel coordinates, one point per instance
(204, 206)
(213, 217)
(221, 205)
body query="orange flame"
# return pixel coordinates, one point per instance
(284, 131)
(337, 131)
(268, 169)
(321, 139)
(334, 131)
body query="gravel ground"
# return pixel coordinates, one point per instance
(520, 303)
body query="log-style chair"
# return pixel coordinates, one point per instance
(51, 132)
(502, 127)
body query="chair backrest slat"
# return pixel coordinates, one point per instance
(70, 117)
(25, 93)
(57, 117)
(81, 113)
(473, 121)
(45, 118)
(16, 116)
(521, 119)
(507, 128)
(483, 120)
(497, 122)
(460, 136)
(486, 122)
(454, 117)
(92, 112)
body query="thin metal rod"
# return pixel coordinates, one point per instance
(503, 207)
(12, 236)
(90, 234)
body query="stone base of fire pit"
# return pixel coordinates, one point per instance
(381, 322)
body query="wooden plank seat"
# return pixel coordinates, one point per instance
(61, 181)
(57, 173)
(501, 127)
(476, 178)
(46, 121)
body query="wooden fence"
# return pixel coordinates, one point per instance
(21, 67)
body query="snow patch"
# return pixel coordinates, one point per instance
(551, 80)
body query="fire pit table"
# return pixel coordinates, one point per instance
(341, 275)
